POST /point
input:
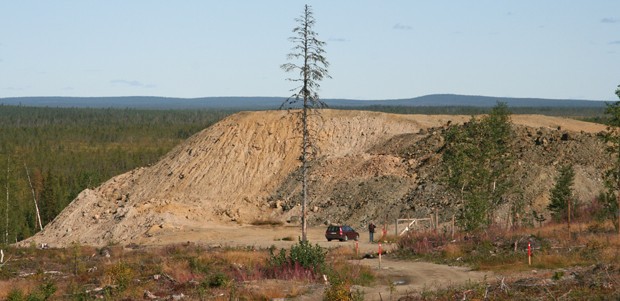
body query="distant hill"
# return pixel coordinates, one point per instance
(266, 103)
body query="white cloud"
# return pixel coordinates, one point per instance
(610, 20)
(399, 26)
(132, 83)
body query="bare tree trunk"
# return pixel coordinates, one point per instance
(304, 170)
(6, 226)
(618, 213)
(34, 198)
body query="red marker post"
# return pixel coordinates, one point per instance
(357, 249)
(529, 253)
(380, 255)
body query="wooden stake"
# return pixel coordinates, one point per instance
(569, 236)
(380, 255)
(618, 216)
(6, 227)
(396, 228)
(432, 225)
(453, 226)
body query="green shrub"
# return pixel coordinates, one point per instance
(200, 265)
(15, 295)
(301, 257)
(308, 256)
(340, 290)
(218, 280)
(42, 293)
(122, 275)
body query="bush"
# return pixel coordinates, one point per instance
(122, 274)
(340, 290)
(15, 295)
(218, 280)
(607, 208)
(42, 293)
(301, 259)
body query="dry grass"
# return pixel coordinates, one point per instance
(342, 252)
(582, 265)
(6, 286)
(244, 258)
(494, 249)
(388, 238)
(453, 251)
(273, 289)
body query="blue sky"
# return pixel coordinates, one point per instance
(377, 49)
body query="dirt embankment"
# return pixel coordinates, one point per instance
(370, 166)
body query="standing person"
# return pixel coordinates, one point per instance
(371, 230)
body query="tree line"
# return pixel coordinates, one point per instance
(65, 150)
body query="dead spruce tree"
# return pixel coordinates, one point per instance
(310, 65)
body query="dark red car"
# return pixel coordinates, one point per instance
(341, 233)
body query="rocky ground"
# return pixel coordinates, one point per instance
(371, 166)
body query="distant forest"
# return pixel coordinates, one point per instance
(66, 150)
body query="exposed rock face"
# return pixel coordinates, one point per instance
(370, 166)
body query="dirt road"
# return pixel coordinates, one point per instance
(406, 276)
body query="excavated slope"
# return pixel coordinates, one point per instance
(244, 168)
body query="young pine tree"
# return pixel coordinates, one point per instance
(562, 193)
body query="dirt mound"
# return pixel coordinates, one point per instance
(245, 168)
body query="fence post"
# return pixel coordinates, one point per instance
(396, 228)
(432, 223)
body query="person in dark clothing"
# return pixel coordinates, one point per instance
(371, 230)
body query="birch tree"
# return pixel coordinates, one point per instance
(476, 161)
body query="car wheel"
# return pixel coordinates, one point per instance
(357, 237)
(346, 238)
(329, 239)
